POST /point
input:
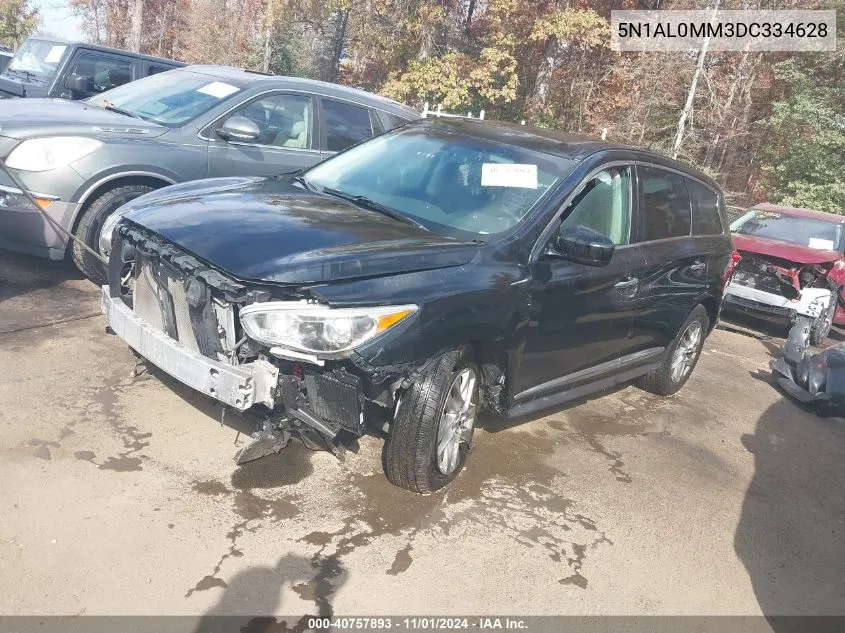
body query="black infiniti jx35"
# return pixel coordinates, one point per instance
(415, 279)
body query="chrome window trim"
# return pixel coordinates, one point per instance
(255, 97)
(294, 90)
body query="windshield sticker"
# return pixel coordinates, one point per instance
(821, 244)
(218, 89)
(55, 54)
(509, 175)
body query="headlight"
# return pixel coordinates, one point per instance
(316, 329)
(44, 154)
(13, 198)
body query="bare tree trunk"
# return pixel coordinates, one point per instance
(537, 99)
(468, 23)
(340, 38)
(682, 121)
(137, 25)
(268, 32)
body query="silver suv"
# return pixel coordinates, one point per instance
(83, 160)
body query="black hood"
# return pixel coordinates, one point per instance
(279, 232)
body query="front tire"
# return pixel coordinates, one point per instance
(432, 429)
(90, 224)
(681, 357)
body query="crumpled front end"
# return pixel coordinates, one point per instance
(779, 289)
(183, 316)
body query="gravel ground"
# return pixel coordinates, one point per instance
(120, 495)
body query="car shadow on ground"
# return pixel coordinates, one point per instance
(790, 532)
(22, 274)
(765, 330)
(253, 595)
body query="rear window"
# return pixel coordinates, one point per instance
(705, 209)
(789, 228)
(394, 121)
(665, 204)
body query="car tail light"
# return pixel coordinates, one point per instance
(729, 270)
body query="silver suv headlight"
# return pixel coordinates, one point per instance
(316, 329)
(44, 154)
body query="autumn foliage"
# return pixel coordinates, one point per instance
(766, 125)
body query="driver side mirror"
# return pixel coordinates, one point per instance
(583, 245)
(77, 83)
(238, 128)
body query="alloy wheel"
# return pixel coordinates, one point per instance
(456, 421)
(685, 352)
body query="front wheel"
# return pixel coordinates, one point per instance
(90, 224)
(432, 429)
(681, 356)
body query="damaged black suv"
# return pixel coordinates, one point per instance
(415, 279)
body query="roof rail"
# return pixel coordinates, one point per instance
(439, 113)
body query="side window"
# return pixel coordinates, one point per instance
(705, 209)
(346, 124)
(604, 205)
(92, 73)
(155, 69)
(665, 204)
(283, 120)
(393, 121)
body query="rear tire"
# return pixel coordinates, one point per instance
(90, 224)
(425, 423)
(663, 381)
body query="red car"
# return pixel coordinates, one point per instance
(792, 264)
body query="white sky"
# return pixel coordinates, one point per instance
(58, 19)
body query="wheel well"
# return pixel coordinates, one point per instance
(711, 304)
(122, 181)
(492, 362)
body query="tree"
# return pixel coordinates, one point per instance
(18, 20)
(806, 161)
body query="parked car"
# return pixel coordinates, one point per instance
(792, 265)
(407, 283)
(47, 67)
(5, 58)
(85, 159)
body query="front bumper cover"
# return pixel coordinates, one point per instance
(812, 302)
(239, 386)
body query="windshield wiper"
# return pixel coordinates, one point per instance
(108, 105)
(302, 180)
(372, 205)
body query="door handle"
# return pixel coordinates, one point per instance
(698, 266)
(625, 284)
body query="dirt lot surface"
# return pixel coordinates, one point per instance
(119, 495)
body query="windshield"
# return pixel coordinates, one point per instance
(36, 62)
(788, 228)
(447, 182)
(172, 98)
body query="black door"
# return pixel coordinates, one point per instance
(582, 315)
(676, 274)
